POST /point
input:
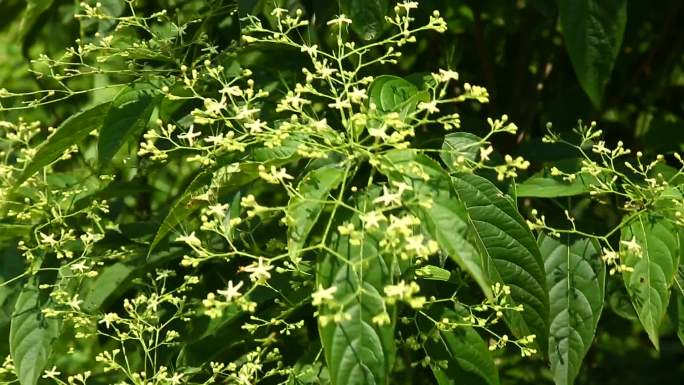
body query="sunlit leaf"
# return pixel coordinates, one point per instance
(575, 275)
(650, 246)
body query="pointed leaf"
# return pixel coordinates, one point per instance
(542, 186)
(654, 265)
(469, 361)
(445, 219)
(503, 237)
(34, 9)
(127, 117)
(357, 350)
(31, 335)
(70, 132)
(230, 178)
(368, 16)
(304, 209)
(593, 31)
(460, 144)
(576, 277)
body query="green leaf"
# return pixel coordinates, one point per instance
(357, 350)
(593, 32)
(111, 279)
(502, 236)
(14, 230)
(460, 144)
(70, 132)
(127, 117)
(619, 301)
(229, 178)
(446, 219)
(393, 94)
(575, 275)
(33, 10)
(304, 209)
(678, 289)
(541, 186)
(368, 16)
(654, 266)
(677, 309)
(469, 361)
(31, 335)
(433, 273)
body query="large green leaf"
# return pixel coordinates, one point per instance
(70, 132)
(502, 236)
(469, 361)
(127, 117)
(593, 31)
(368, 16)
(445, 219)
(31, 335)
(357, 351)
(305, 208)
(654, 267)
(576, 276)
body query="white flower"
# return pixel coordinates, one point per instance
(408, 5)
(258, 272)
(341, 19)
(372, 219)
(430, 107)
(322, 295)
(190, 135)
(312, 50)
(48, 239)
(357, 95)
(109, 319)
(232, 292)
(632, 246)
(232, 90)
(190, 240)
(485, 152)
(387, 198)
(447, 75)
(176, 379)
(52, 373)
(256, 126)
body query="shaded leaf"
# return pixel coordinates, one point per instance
(469, 361)
(368, 16)
(575, 275)
(304, 209)
(229, 178)
(33, 10)
(70, 132)
(31, 335)
(593, 32)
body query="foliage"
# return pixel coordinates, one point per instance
(214, 192)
